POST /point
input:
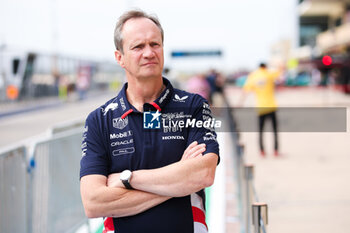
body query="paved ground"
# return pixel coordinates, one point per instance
(307, 189)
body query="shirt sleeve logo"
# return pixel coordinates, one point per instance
(84, 143)
(209, 136)
(151, 120)
(120, 123)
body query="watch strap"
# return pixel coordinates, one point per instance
(127, 184)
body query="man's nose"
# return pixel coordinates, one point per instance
(148, 52)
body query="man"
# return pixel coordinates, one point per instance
(148, 180)
(262, 83)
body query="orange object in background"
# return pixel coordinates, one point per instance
(12, 92)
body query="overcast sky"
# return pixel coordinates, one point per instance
(243, 29)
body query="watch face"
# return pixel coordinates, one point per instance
(125, 175)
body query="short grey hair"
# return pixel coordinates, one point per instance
(118, 37)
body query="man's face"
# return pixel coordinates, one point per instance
(143, 49)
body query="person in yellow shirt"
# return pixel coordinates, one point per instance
(262, 83)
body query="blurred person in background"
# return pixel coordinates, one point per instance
(198, 84)
(56, 75)
(216, 82)
(262, 83)
(167, 72)
(143, 180)
(220, 82)
(83, 81)
(212, 79)
(315, 77)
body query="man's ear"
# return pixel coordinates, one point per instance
(119, 57)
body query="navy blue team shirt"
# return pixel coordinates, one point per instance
(114, 140)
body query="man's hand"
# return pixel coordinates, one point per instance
(193, 150)
(102, 201)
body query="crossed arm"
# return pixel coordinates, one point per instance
(104, 196)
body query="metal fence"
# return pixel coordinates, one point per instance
(251, 211)
(14, 184)
(39, 185)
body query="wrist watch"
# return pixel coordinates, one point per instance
(125, 177)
